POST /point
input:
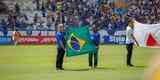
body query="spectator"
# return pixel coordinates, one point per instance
(101, 12)
(53, 5)
(17, 9)
(4, 27)
(37, 4)
(43, 9)
(12, 19)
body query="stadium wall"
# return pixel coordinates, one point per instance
(48, 37)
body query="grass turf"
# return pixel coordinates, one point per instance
(38, 63)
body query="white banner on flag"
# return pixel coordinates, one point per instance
(147, 35)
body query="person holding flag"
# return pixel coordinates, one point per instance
(60, 46)
(93, 57)
(130, 39)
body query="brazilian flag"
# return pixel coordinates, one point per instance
(78, 41)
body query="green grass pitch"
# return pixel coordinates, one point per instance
(38, 63)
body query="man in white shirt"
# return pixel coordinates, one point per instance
(130, 39)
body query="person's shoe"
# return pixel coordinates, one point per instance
(59, 68)
(95, 67)
(91, 68)
(130, 65)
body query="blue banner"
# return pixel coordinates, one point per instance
(114, 39)
(118, 37)
(5, 40)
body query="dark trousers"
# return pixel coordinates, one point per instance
(129, 53)
(60, 56)
(93, 58)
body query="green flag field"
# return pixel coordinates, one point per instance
(78, 41)
(38, 63)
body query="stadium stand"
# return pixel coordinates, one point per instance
(110, 15)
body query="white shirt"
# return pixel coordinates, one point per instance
(129, 38)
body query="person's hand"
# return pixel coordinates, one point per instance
(65, 49)
(137, 44)
(97, 47)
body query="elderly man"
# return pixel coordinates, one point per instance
(60, 47)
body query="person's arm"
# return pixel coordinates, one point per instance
(135, 40)
(92, 39)
(61, 42)
(62, 45)
(99, 39)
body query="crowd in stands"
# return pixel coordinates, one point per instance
(110, 15)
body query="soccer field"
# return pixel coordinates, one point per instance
(38, 63)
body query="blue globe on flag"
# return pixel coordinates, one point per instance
(74, 43)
